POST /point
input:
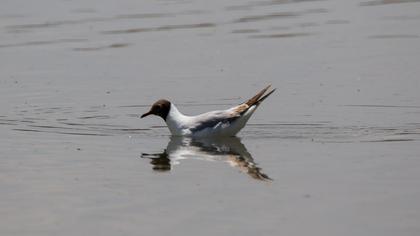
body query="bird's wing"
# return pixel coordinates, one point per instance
(212, 119)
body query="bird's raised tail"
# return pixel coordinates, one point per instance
(257, 99)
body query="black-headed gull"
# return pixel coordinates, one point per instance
(214, 123)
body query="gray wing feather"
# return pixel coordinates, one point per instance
(212, 119)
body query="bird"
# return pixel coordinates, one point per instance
(210, 124)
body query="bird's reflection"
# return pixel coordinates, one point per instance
(228, 149)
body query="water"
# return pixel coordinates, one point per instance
(334, 151)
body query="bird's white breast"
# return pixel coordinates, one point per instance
(177, 122)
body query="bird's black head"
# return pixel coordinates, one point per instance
(160, 108)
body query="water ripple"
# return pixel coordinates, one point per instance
(161, 28)
(43, 42)
(383, 2)
(266, 17)
(123, 120)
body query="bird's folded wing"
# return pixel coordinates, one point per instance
(212, 119)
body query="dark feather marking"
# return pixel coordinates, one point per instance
(265, 96)
(254, 99)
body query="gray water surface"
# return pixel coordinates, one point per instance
(334, 151)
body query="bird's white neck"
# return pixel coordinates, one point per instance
(176, 121)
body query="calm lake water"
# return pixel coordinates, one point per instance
(335, 151)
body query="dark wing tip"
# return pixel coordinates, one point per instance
(257, 98)
(265, 96)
